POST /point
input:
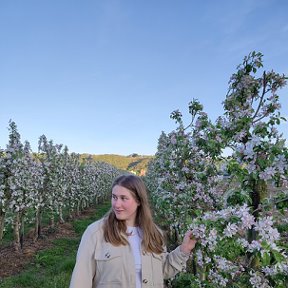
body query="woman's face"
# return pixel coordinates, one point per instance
(124, 205)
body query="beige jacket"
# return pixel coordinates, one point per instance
(102, 265)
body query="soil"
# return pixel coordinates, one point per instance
(12, 262)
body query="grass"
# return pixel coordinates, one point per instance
(52, 267)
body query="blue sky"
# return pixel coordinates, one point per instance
(103, 76)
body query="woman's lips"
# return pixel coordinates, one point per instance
(118, 211)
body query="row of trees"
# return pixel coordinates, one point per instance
(240, 221)
(133, 163)
(50, 181)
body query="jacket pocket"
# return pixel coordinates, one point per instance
(109, 266)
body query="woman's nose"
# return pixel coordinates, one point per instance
(117, 202)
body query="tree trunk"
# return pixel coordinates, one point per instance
(37, 225)
(22, 230)
(2, 224)
(16, 232)
(52, 218)
(61, 219)
(78, 208)
(259, 192)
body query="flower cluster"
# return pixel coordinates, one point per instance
(230, 227)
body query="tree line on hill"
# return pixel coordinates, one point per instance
(134, 163)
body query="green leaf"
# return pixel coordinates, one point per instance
(278, 256)
(266, 259)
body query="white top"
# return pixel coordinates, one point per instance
(135, 239)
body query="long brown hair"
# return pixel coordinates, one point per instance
(115, 230)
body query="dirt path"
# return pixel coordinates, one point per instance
(12, 263)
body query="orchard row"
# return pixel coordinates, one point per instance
(46, 183)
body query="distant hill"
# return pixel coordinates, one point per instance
(134, 163)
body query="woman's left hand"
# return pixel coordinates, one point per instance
(188, 243)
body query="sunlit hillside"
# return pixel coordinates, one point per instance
(134, 163)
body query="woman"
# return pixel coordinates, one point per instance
(125, 248)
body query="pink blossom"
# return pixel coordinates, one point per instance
(268, 173)
(230, 230)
